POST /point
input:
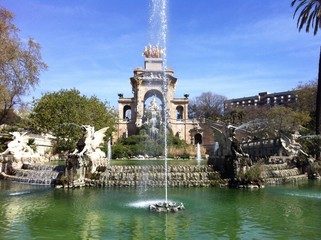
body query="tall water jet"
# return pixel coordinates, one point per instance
(158, 35)
(158, 31)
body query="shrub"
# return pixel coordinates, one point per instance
(253, 173)
(185, 156)
(152, 145)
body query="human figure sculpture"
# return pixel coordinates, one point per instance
(153, 105)
(153, 51)
(236, 161)
(234, 145)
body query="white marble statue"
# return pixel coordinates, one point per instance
(18, 146)
(87, 152)
(90, 142)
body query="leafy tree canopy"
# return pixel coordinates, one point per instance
(20, 64)
(266, 122)
(307, 93)
(309, 15)
(62, 113)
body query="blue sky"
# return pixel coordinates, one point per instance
(232, 48)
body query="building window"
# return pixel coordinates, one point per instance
(179, 112)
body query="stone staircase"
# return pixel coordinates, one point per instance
(281, 173)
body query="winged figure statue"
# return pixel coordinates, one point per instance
(91, 140)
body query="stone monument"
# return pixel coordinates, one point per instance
(147, 83)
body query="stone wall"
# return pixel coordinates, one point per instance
(177, 176)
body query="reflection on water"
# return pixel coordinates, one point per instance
(280, 212)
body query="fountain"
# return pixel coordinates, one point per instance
(109, 149)
(158, 23)
(198, 153)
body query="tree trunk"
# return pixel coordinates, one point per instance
(318, 104)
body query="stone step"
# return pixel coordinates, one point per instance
(270, 167)
(192, 175)
(36, 174)
(290, 179)
(158, 176)
(140, 183)
(280, 173)
(160, 169)
(38, 167)
(40, 181)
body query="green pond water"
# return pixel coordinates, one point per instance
(278, 212)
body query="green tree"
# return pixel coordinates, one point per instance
(236, 116)
(62, 113)
(306, 93)
(310, 17)
(286, 120)
(20, 65)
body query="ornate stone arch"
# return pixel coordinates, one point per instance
(154, 92)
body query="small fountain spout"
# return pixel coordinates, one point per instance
(198, 153)
(109, 149)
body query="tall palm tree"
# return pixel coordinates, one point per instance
(310, 16)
